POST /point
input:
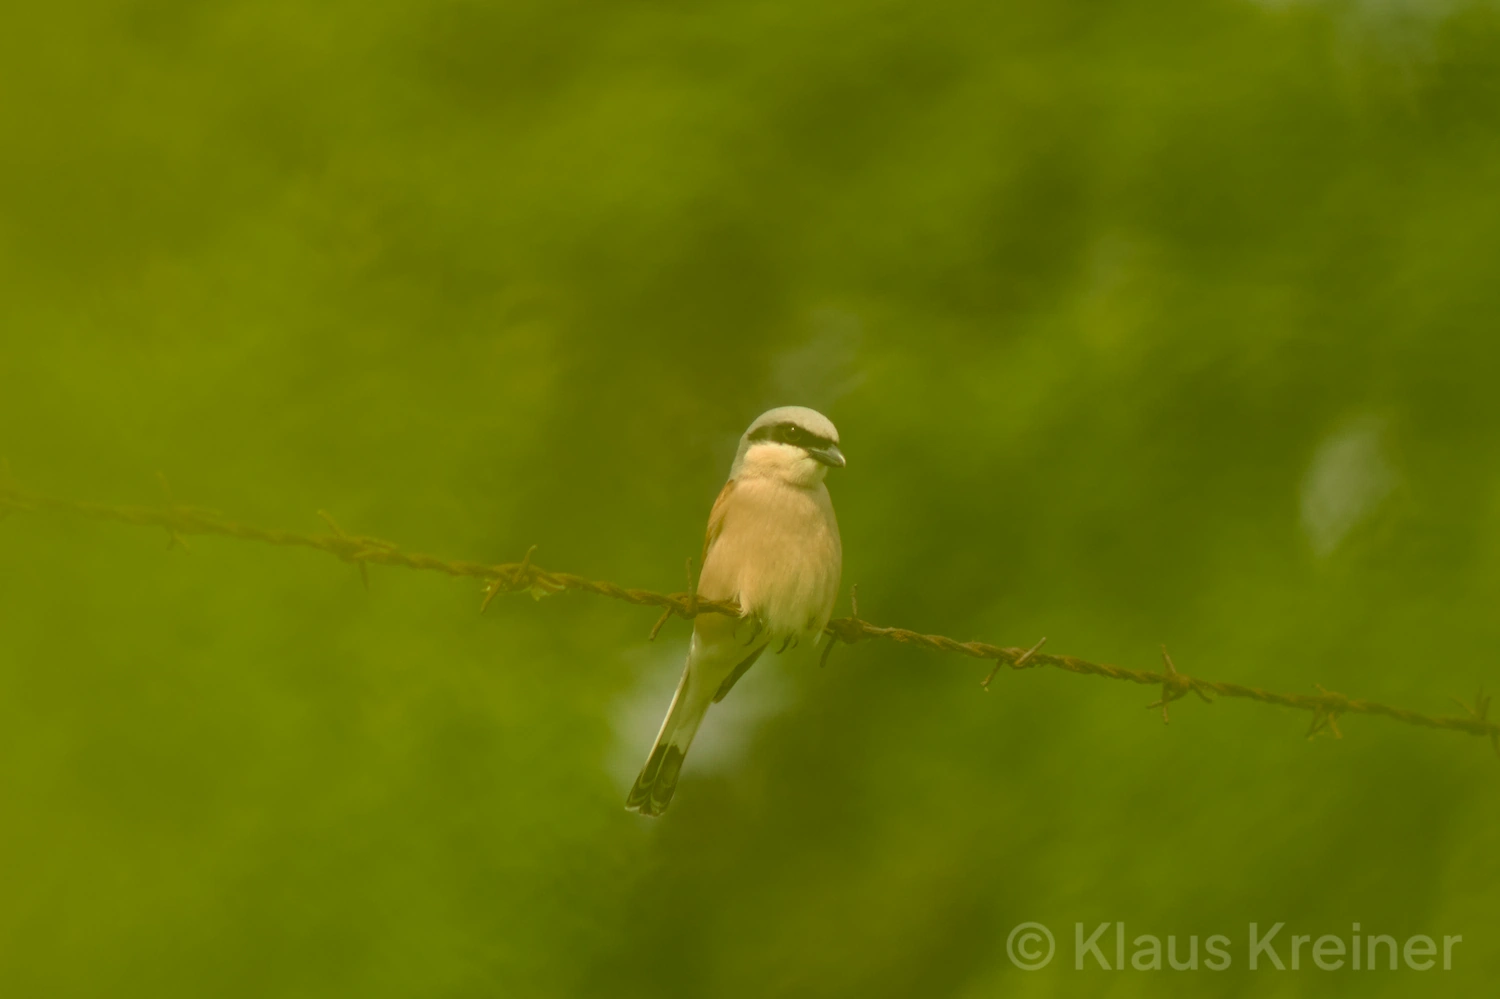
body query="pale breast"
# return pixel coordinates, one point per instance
(778, 555)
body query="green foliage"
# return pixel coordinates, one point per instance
(1141, 323)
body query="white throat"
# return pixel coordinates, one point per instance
(782, 463)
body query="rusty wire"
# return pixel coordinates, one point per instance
(1326, 706)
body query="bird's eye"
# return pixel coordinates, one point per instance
(792, 434)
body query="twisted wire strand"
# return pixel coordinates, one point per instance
(1326, 706)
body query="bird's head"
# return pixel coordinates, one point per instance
(792, 443)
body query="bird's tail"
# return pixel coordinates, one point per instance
(653, 789)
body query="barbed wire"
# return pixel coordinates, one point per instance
(180, 521)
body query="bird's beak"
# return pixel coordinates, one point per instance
(830, 455)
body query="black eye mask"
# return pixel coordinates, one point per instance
(790, 433)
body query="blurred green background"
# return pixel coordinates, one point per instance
(1142, 323)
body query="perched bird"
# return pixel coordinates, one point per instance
(773, 548)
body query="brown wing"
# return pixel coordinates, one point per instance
(716, 518)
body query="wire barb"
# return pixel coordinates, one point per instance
(1326, 713)
(1019, 663)
(357, 548)
(1174, 686)
(174, 540)
(688, 608)
(1480, 709)
(847, 629)
(1480, 712)
(510, 578)
(666, 613)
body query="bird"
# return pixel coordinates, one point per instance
(773, 548)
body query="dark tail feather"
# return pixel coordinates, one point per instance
(653, 788)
